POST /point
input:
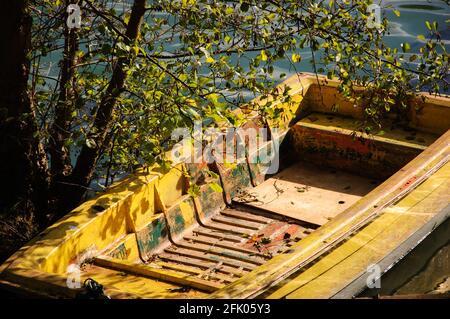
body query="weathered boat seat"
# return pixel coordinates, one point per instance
(336, 141)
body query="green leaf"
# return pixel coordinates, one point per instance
(244, 7)
(194, 190)
(421, 37)
(412, 58)
(229, 11)
(90, 143)
(428, 24)
(296, 57)
(208, 57)
(396, 12)
(216, 187)
(263, 55)
(212, 174)
(406, 47)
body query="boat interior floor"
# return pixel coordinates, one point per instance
(217, 250)
(257, 226)
(308, 193)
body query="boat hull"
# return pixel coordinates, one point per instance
(338, 205)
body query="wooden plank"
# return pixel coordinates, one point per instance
(181, 216)
(392, 133)
(221, 243)
(340, 148)
(120, 285)
(210, 248)
(234, 177)
(246, 216)
(228, 229)
(329, 261)
(198, 272)
(183, 260)
(229, 261)
(217, 234)
(161, 274)
(236, 222)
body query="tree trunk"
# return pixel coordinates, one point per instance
(60, 131)
(76, 184)
(23, 167)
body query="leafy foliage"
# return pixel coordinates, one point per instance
(194, 59)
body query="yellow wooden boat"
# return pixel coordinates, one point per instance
(339, 204)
